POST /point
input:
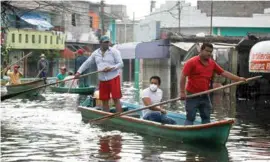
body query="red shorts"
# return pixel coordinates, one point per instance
(110, 87)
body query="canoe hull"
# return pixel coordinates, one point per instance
(83, 91)
(215, 133)
(25, 86)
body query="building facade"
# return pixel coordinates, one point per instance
(193, 21)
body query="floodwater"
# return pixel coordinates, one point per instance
(49, 128)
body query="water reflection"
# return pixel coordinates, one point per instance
(110, 147)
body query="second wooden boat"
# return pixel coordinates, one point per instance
(83, 90)
(25, 86)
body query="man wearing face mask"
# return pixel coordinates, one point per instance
(43, 67)
(152, 95)
(109, 61)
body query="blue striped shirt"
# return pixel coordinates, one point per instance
(112, 58)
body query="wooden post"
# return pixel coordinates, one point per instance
(233, 64)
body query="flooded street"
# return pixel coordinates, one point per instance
(50, 129)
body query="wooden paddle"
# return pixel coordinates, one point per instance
(71, 85)
(28, 90)
(168, 101)
(40, 71)
(17, 61)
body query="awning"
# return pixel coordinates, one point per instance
(153, 50)
(183, 45)
(36, 20)
(127, 50)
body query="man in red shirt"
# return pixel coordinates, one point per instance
(199, 71)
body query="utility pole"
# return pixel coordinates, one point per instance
(130, 60)
(102, 17)
(211, 18)
(152, 5)
(179, 17)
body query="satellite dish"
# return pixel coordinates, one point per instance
(259, 57)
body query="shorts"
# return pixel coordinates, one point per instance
(110, 88)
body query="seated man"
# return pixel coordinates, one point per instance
(14, 76)
(153, 95)
(61, 76)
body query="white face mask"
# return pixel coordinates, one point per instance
(153, 87)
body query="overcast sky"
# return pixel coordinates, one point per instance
(140, 7)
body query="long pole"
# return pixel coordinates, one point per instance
(211, 19)
(4, 97)
(17, 61)
(171, 100)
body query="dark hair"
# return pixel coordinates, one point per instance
(204, 45)
(157, 78)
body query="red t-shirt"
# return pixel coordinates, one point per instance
(199, 75)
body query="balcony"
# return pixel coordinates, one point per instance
(32, 39)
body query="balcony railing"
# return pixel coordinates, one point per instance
(32, 39)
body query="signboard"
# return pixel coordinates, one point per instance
(259, 57)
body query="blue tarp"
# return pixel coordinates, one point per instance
(37, 20)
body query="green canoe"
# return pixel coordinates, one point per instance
(84, 90)
(25, 86)
(215, 133)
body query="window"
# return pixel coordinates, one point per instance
(13, 37)
(45, 39)
(91, 21)
(39, 39)
(73, 19)
(51, 40)
(26, 38)
(33, 39)
(57, 39)
(20, 38)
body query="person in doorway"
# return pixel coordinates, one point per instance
(43, 67)
(109, 61)
(199, 71)
(14, 76)
(61, 76)
(80, 59)
(152, 95)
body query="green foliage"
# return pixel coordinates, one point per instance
(4, 52)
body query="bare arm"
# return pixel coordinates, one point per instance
(182, 87)
(232, 76)
(147, 102)
(182, 83)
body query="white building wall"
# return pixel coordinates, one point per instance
(193, 21)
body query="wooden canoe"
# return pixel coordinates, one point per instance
(84, 90)
(25, 86)
(215, 133)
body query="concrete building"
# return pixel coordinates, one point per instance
(31, 32)
(193, 21)
(233, 8)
